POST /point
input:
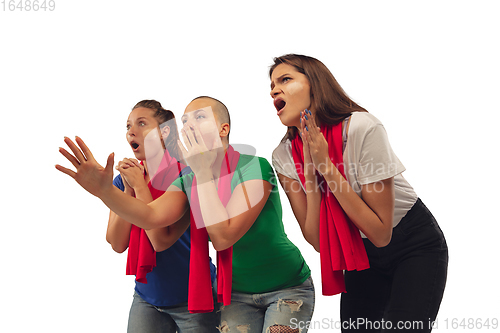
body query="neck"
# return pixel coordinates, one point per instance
(152, 164)
(218, 161)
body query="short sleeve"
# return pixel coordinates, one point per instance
(184, 183)
(251, 168)
(283, 160)
(370, 153)
(118, 182)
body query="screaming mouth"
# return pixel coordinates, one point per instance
(279, 104)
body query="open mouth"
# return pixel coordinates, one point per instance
(134, 145)
(279, 104)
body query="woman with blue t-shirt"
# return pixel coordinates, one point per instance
(263, 281)
(159, 258)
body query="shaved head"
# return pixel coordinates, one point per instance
(220, 110)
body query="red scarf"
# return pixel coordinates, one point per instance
(341, 246)
(141, 256)
(200, 289)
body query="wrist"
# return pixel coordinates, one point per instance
(140, 188)
(327, 169)
(204, 176)
(310, 175)
(107, 192)
(129, 191)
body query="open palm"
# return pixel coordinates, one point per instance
(89, 174)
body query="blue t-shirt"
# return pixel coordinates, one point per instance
(168, 281)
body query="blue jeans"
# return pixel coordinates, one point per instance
(403, 288)
(147, 318)
(284, 310)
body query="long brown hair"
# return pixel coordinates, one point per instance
(330, 101)
(162, 116)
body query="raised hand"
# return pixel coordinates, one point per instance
(309, 168)
(316, 144)
(89, 174)
(196, 153)
(129, 163)
(132, 173)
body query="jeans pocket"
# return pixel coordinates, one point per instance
(408, 227)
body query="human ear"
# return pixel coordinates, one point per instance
(224, 130)
(165, 132)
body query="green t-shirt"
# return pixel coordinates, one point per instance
(264, 259)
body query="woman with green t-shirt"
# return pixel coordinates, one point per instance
(263, 280)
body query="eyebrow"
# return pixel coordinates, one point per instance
(184, 116)
(277, 79)
(140, 118)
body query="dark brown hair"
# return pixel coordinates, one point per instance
(162, 116)
(330, 101)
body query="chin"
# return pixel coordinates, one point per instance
(139, 156)
(289, 121)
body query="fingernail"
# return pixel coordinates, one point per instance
(305, 117)
(307, 128)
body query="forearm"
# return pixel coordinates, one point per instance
(215, 216)
(226, 225)
(143, 193)
(118, 232)
(134, 210)
(305, 207)
(310, 230)
(159, 236)
(377, 227)
(163, 238)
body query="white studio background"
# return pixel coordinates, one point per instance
(428, 70)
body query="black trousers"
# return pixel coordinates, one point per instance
(403, 288)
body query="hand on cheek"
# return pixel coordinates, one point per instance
(195, 152)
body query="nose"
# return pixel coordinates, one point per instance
(275, 91)
(131, 131)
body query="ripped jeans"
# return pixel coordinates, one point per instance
(277, 311)
(147, 318)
